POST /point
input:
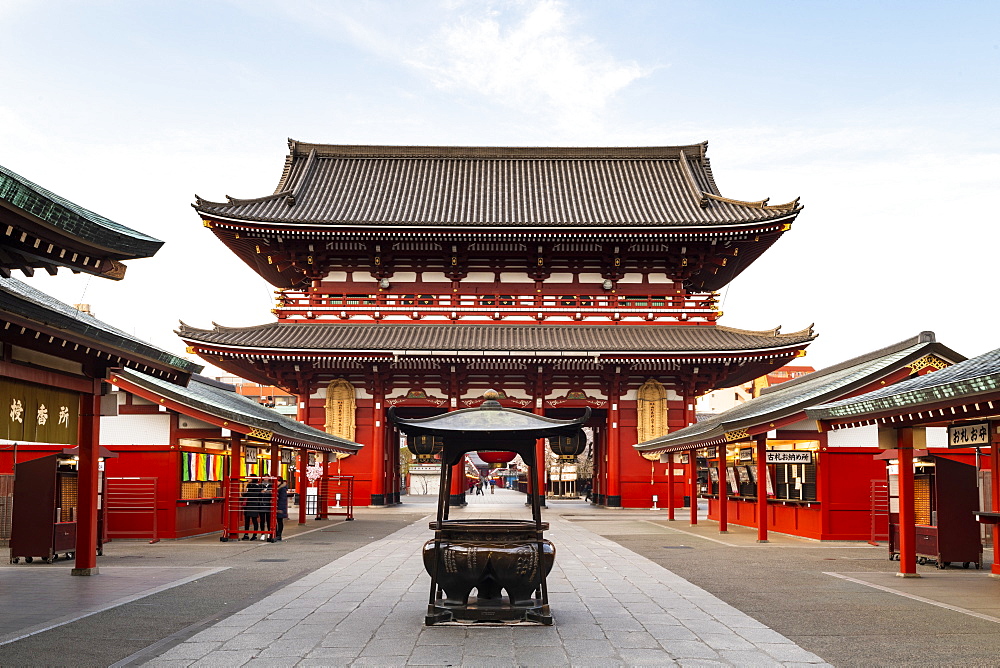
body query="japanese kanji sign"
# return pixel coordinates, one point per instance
(789, 457)
(969, 435)
(37, 413)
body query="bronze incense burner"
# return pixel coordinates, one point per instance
(505, 562)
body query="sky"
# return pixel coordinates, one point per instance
(882, 116)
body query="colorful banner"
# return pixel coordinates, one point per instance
(201, 467)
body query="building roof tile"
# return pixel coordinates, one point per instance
(27, 198)
(967, 379)
(527, 339)
(208, 396)
(25, 302)
(519, 187)
(791, 397)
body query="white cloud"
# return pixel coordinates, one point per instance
(534, 63)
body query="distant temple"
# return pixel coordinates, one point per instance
(419, 277)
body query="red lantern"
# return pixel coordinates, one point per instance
(491, 457)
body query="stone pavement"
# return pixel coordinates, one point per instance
(611, 607)
(77, 597)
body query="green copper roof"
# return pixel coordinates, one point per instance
(965, 380)
(73, 219)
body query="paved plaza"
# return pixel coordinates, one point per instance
(628, 588)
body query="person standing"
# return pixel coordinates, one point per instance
(493, 485)
(251, 510)
(264, 507)
(282, 508)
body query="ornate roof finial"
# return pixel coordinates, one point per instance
(492, 400)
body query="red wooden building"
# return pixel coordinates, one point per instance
(818, 483)
(965, 398)
(419, 277)
(54, 359)
(180, 449)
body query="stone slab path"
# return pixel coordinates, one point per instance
(611, 606)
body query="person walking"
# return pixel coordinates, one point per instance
(282, 508)
(493, 485)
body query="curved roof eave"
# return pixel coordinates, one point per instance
(239, 410)
(840, 379)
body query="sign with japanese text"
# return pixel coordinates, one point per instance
(38, 414)
(746, 454)
(789, 457)
(969, 435)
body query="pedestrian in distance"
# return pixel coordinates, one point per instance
(493, 485)
(282, 508)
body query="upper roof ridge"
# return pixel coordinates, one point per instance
(297, 148)
(925, 337)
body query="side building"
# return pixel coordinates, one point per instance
(419, 277)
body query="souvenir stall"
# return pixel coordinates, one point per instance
(196, 446)
(775, 470)
(934, 509)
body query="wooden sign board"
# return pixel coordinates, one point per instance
(969, 435)
(789, 457)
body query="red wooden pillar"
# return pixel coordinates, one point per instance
(231, 511)
(458, 483)
(723, 492)
(378, 441)
(693, 482)
(907, 515)
(670, 486)
(323, 509)
(303, 483)
(761, 442)
(995, 493)
(614, 498)
(540, 460)
(89, 432)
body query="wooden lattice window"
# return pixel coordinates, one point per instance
(652, 410)
(340, 409)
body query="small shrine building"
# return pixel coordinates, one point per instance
(766, 464)
(54, 359)
(419, 277)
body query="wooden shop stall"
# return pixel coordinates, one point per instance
(185, 450)
(766, 465)
(54, 358)
(936, 510)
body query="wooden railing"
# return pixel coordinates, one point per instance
(326, 305)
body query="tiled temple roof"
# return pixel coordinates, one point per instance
(26, 198)
(965, 380)
(462, 187)
(791, 397)
(47, 313)
(416, 338)
(207, 396)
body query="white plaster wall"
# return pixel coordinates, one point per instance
(135, 430)
(184, 422)
(560, 277)
(855, 437)
(513, 277)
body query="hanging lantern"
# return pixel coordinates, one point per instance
(568, 446)
(424, 446)
(494, 457)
